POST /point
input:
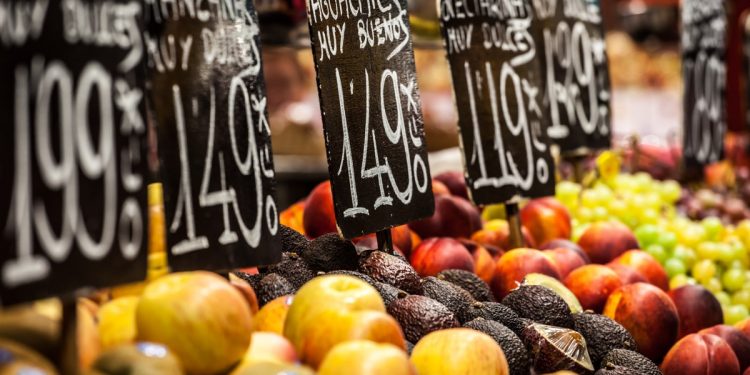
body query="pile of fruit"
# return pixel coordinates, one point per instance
(454, 297)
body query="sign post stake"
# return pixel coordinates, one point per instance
(514, 225)
(385, 241)
(68, 350)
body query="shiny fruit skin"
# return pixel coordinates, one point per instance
(699, 353)
(437, 254)
(319, 216)
(514, 265)
(604, 241)
(546, 219)
(592, 284)
(366, 358)
(697, 308)
(459, 351)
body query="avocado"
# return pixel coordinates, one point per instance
(356, 274)
(389, 269)
(602, 334)
(630, 360)
(513, 347)
(541, 305)
(616, 370)
(142, 358)
(271, 287)
(554, 349)
(292, 241)
(469, 282)
(497, 312)
(330, 252)
(420, 315)
(253, 280)
(457, 300)
(409, 347)
(389, 293)
(294, 269)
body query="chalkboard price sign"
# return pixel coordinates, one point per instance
(209, 105)
(73, 152)
(498, 84)
(574, 60)
(704, 28)
(371, 112)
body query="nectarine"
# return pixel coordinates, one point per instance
(604, 241)
(514, 265)
(701, 354)
(592, 284)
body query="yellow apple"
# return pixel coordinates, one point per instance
(117, 322)
(366, 358)
(271, 316)
(199, 316)
(459, 351)
(269, 347)
(332, 309)
(272, 368)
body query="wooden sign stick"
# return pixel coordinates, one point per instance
(385, 241)
(68, 337)
(514, 225)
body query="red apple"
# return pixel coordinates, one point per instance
(739, 342)
(627, 274)
(514, 265)
(566, 259)
(592, 284)
(646, 265)
(605, 241)
(697, 307)
(455, 182)
(436, 254)
(648, 314)
(701, 354)
(546, 219)
(454, 217)
(319, 217)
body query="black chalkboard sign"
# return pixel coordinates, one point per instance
(704, 29)
(497, 81)
(573, 54)
(371, 113)
(209, 104)
(73, 153)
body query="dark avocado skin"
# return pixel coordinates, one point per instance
(292, 241)
(419, 315)
(294, 269)
(630, 360)
(391, 270)
(454, 298)
(616, 370)
(541, 305)
(513, 347)
(330, 252)
(602, 334)
(469, 282)
(498, 312)
(271, 287)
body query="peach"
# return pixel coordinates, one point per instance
(546, 219)
(293, 217)
(484, 259)
(566, 259)
(648, 314)
(744, 326)
(605, 241)
(439, 188)
(497, 233)
(697, 308)
(514, 265)
(568, 244)
(592, 284)
(437, 254)
(454, 217)
(319, 216)
(646, 265)
(627, 274)
(270, 318)
(455, 182)
(701, 354)
(736, 339)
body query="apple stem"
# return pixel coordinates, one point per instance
(514, 224)
(385, 241)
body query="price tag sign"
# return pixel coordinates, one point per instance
(704, 29)
(498, 83)
(574, 60)
(73, 156)
(371, 113)
(209, 105)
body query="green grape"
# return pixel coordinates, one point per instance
(646, 234)
(714, 285)
(567, 190)
(685, 254)
(671, 191)
(585, 214)
(708, 250)
(591, 198)
(600, 213)
(733, 279)
(741, 297)
(678, 281)
(657, 251)
(726, 253)
(723, 298)
(668, 240)
(617, 207)
(704, 270)
(692, 235)
(649, 216)
(735, 314)
(674, 267)
(713, 227)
